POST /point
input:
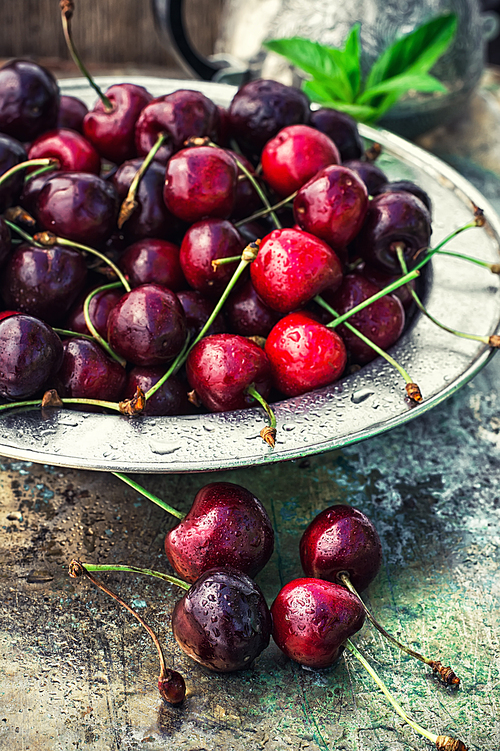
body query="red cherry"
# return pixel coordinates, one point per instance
(292, 267)
(294, 156)
(73, 152)
(312, 619)
(153, 260)
(204, 242)
(304, 354)
(87, 372)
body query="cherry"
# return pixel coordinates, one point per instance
(292, 267)
(5, 241)
(382, 321)
(198, 309)
(221, 367)
(260, 109)
(373, 177)
(247, 314)
(222, 621)
(71, 113)
(200, 182)
(246, 199)
(30, 354)
(180, 115)
(29, 99)
(43, 282)
(341, 128)
(73, 152)
(153, 260)
(11, 153)
(170, 399)
(87, 372)
(312, 619)
(407, 186)
(341, 539)
(99, 309)
(226, 526)
(382, 280)
(304, 354)
(147, 326)
(112, 132)
(204, 242)
(294, 156)
(332, 205)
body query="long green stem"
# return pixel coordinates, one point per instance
(150, 496)
(478, 222)
(23, 234)
(493, 267)
(95, 334)
(45, 162)
(73, 400)
(134, 570)
(266, 212)
(129, 203)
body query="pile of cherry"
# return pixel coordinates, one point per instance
(98, 302)
(223, 622)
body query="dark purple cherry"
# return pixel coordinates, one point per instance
(341, 128)
(5, 241)
(170, 399)
(226, 526)
(87, 372)
(153, 260)
(246, 200)
(341, 538)
(100, 307)
(373, 177)
(43, 282)
(198, 309)
(247, 314)
(312, 619)
(407, 186)
(382, 280)
(222, 621)
(12, 152)
(29, 99)
(147, 326)
(78, 207)
(30, 354)
(71, 113)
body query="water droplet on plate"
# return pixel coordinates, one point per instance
(163, 447)
(361, 395)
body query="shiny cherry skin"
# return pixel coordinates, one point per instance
(88, 373)
(78, 207)
(382, 321)
(312, 619)
(222, 622)
(394, 219)
(247, 314)
(30, 354)
(100, 307)
(220, 368)
(408, 186)
(204, 242)
(292, 266)
(383, 280)
(181, 115)
(113, 133)
(12, 152)
(373, 177)
(153, 260)
(200, 182)
(332, 205)
(147, 326)
(43, 282)
(198, 309)
(246, 200)
(341, 128)
(29, 100)
(170, 399)
(71, 113)
(294, 156)
(339, 539)
(73, 152)
(226, 526)
(304, 354)
(260, 109)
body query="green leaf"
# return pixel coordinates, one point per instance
(352, 59)
(416, 52)
(401, 84)
(319, 61)
(321, 94)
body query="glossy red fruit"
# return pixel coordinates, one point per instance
(29, 99)
(71, 113)
(304, 354)
(247, 314)
(222, 366)
(222, 621)
(198, 310)
(203, 243)
(87, 372)
(200, 182)
(170, 399)
(113, 133)
(153, 260)
(100, 307)
(295, 155)
(147, 326)
(339, 539)
(73, 152)
(312, 619)
(382, 321)
(292, 266)
(332, 205)
(226, 526)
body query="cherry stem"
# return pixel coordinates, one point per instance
(38, 172)
(150, 496)
(134, 570)
(446, 674)
(493, 341)
(493, 267)
(67, 8)
(248, 255)
(477, 222)
(268, 434)
(129, 203)
(77, 569)
(265, 212)
(224, 261)
(442, 742)
(95, 334)
(369, 300)
(23, 234)
(67, 332)
(411, 387)
(46, 162)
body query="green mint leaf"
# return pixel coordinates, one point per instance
(319, 61)
(352, 59)
(400, 85)
(323, 95)
(416, 52)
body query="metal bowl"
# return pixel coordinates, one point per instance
(462, 295)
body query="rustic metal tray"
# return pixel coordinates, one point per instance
(462, 295)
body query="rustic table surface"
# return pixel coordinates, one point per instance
(77, 672)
